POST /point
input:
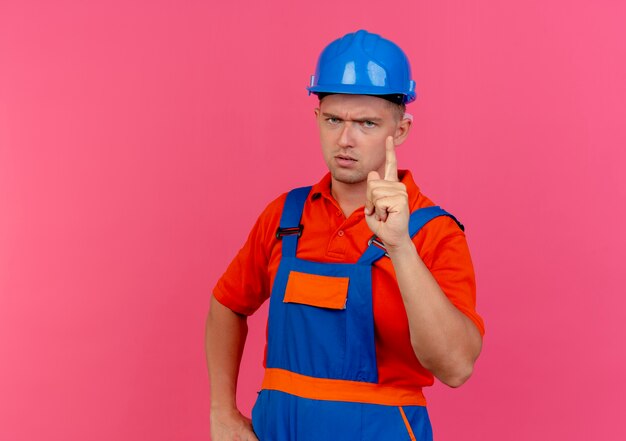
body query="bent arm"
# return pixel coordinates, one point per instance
(445, 341)
(226, 333)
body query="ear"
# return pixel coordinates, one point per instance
(317, 112)
(402, 131)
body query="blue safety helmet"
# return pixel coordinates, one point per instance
(362, 63)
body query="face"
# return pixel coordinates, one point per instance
(353, 129)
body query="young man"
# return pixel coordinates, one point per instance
(371, 286)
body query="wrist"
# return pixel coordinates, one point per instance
(401, 248)
(224, 408)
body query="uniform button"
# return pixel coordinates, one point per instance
(340, 233)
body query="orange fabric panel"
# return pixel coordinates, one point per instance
(341, 390)
(317, 290)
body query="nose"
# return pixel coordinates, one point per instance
(346, 138)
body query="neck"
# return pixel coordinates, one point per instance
(349, 196)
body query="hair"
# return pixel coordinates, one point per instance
(398, 109)
(394, 103)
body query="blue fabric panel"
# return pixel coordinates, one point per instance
(321, 342)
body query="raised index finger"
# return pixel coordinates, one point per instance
(391, 164)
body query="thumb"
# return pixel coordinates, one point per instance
(369, 206)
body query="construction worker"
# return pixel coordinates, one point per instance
(371, 286)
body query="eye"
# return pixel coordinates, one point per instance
(332, 120)
(368, 124)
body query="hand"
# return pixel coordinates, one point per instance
(231, 426)
(387, 202)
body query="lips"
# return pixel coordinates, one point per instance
(345, 158)
(345, 161)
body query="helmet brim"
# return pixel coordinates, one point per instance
(349, 89)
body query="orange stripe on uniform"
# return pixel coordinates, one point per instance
(406, 423)
(340, 390)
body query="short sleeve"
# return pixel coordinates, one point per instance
(245, 285)
(446, 254)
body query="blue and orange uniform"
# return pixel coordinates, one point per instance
(339, 362)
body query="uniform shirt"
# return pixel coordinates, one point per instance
(328, 236)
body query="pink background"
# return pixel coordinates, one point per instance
(139, 140)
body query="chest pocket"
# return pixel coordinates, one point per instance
(317, 290)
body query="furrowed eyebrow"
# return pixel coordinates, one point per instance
(374, 120)
(330, 115)
(360, 120)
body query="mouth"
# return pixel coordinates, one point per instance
(345, 161)
(345, 158)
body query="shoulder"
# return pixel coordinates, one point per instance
(439, 234)
(274, 208)
(269, 219)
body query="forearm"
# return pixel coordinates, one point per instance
(445, 341)
(226, 334)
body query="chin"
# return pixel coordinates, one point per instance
(348, 178)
